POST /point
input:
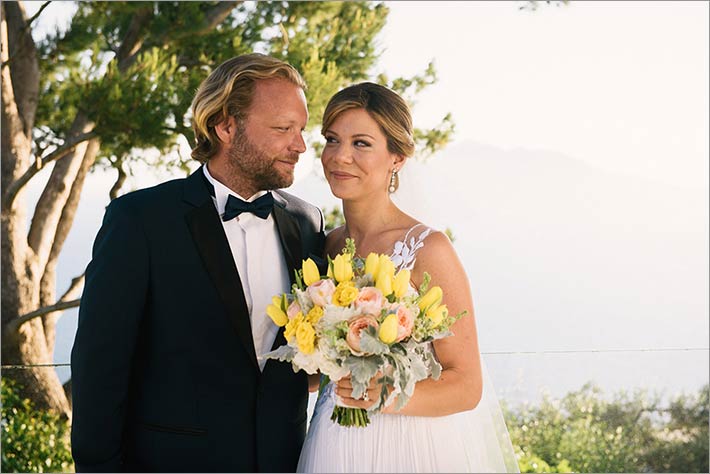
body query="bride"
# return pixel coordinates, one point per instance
(452, 424)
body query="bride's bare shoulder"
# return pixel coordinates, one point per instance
(437, 256)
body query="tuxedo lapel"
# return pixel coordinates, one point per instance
(290, 235)
(212, 245)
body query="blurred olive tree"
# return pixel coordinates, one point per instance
(586, 432)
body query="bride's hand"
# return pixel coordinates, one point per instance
(344, 390)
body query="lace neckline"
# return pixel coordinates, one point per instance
(404, 252)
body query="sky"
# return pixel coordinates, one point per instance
(576, 185)
(620, 85)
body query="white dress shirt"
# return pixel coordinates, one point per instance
(257, 252)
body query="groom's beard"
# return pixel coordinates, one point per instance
(250, 163)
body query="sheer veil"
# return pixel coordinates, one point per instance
(488, 430)
(489, 443)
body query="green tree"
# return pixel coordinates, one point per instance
(588, 432)
(120, 81)
(32, 440)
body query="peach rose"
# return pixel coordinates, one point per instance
(321, 292)
(405, 318)
(355, 326)
(370, 300)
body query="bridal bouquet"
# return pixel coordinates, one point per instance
(361, 319)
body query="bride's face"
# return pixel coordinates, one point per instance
(355, 159)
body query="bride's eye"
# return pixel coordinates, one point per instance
(329, 139)
(361, 143)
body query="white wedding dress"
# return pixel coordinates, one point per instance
(470, 441)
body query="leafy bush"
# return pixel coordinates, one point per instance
(584, 432)
(32, 440)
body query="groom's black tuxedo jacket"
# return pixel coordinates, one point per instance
(164, 372)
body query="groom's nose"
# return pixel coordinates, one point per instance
(298, 144)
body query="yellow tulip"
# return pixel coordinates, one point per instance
(277, 315)
(385, 275)
(432, 297)
(310, 272)
(372, 263)
(280, 301)
(342, 268)
(385, 260)
(388, 329)
(400, 285)
(437, 314)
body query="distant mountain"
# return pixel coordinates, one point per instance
(561, 254)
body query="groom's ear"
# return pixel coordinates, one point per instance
(226, 129)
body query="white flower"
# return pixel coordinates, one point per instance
(332, 315)
(308, 363)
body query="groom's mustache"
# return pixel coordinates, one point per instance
(293, 158)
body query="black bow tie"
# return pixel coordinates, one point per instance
(260, 207)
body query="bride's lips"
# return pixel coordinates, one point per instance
(341, 175)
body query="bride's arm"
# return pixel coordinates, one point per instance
(460, 386)
(313, 382)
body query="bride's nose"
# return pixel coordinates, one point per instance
(343, 154)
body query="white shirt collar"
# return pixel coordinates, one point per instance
(222, 192)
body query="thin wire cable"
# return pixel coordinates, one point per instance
(596, 351)
(561, 351)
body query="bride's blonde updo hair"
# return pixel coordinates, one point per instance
(386, 108)
(228, 91)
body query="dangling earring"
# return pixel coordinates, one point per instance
(394, 182)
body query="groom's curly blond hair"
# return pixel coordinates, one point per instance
(228, 91)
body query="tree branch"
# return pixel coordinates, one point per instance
(48, 281)
(212, 17)
(60, 152)
(63, 303)
(15, 324)
(216, 15)
(113, 194)
(22, 30)
(133, 39)
(25, 66)
(36, 15)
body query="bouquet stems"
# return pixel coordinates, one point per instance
(345, 416)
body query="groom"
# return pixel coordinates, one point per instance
(165, 368)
